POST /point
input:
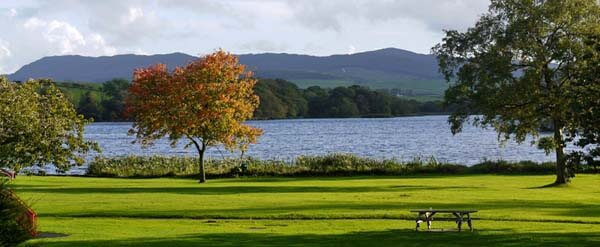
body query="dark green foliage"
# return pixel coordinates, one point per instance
(39, 126)
(525, 64)
(114, 91)
(89, 106)
(327, 165)
(522, 167)
(102, 103)
(11, 233)
(358, 101)
(279, 99)
(586, 111)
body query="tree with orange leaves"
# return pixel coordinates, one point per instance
(205, 102)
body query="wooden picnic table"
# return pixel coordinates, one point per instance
(426, 215)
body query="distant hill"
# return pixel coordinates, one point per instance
(414, 74)
(94, 69)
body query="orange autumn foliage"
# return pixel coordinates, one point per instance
(205, 102)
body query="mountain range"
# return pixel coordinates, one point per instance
(389, 68)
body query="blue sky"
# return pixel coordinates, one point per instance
(31, 29)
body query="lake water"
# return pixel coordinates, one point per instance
(403, 138)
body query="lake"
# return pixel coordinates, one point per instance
(404, 138)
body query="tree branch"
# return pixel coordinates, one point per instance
(200, 149)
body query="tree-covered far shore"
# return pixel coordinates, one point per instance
(279, 99)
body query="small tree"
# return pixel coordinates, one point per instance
(205, 103)
(521, 66)
(39, 126)
(114, 91)
(89, 106)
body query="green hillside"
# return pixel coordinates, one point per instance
(421, 90)
(75, 91)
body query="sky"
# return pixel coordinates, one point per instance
(32, 29)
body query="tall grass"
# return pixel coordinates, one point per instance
(326, 165)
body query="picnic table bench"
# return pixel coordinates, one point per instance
(426, 215)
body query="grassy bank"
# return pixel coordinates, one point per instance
(304, 166)
(356, 211)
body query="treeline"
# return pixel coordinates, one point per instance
(283, 99)
(279, 99)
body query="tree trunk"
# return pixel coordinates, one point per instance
(562, 174)
(201, 156)
(201, 150)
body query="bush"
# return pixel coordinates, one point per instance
(521, 167)
(12, 230)
(303, 166)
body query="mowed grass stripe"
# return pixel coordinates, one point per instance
(185, 232)
(503, 198)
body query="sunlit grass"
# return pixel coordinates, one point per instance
(310, 211)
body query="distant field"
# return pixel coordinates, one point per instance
(75, 92)
(424, 98)
(353, 211)
(323, 83)
(432, 88)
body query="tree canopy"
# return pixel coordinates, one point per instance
(205, 103)
(115, 92)
(526, 63)
(39, 126)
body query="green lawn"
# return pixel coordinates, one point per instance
(365, 211)
(76, 93)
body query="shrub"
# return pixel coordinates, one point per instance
(14, 228)
(521, 167)
(326, 165)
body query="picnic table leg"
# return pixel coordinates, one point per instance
(418, 221)
(429, 219)
(469, 222)
(459, 220)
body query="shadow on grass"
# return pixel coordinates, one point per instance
(552, 185)
(369, 238)
(225, 190)
(577, 212)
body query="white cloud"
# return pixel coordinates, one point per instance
(135, 14)
(351, 49)
(24, 40)
(435, 14)
(98, 44)
(12, 12)
(317, 27)
(61, 35)
(263, 46)
(126, 25)
(4, 51)
(63, 38)
(5, 54)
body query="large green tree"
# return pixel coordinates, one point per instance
(521, 66)
(39, 126)
(586, 111)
